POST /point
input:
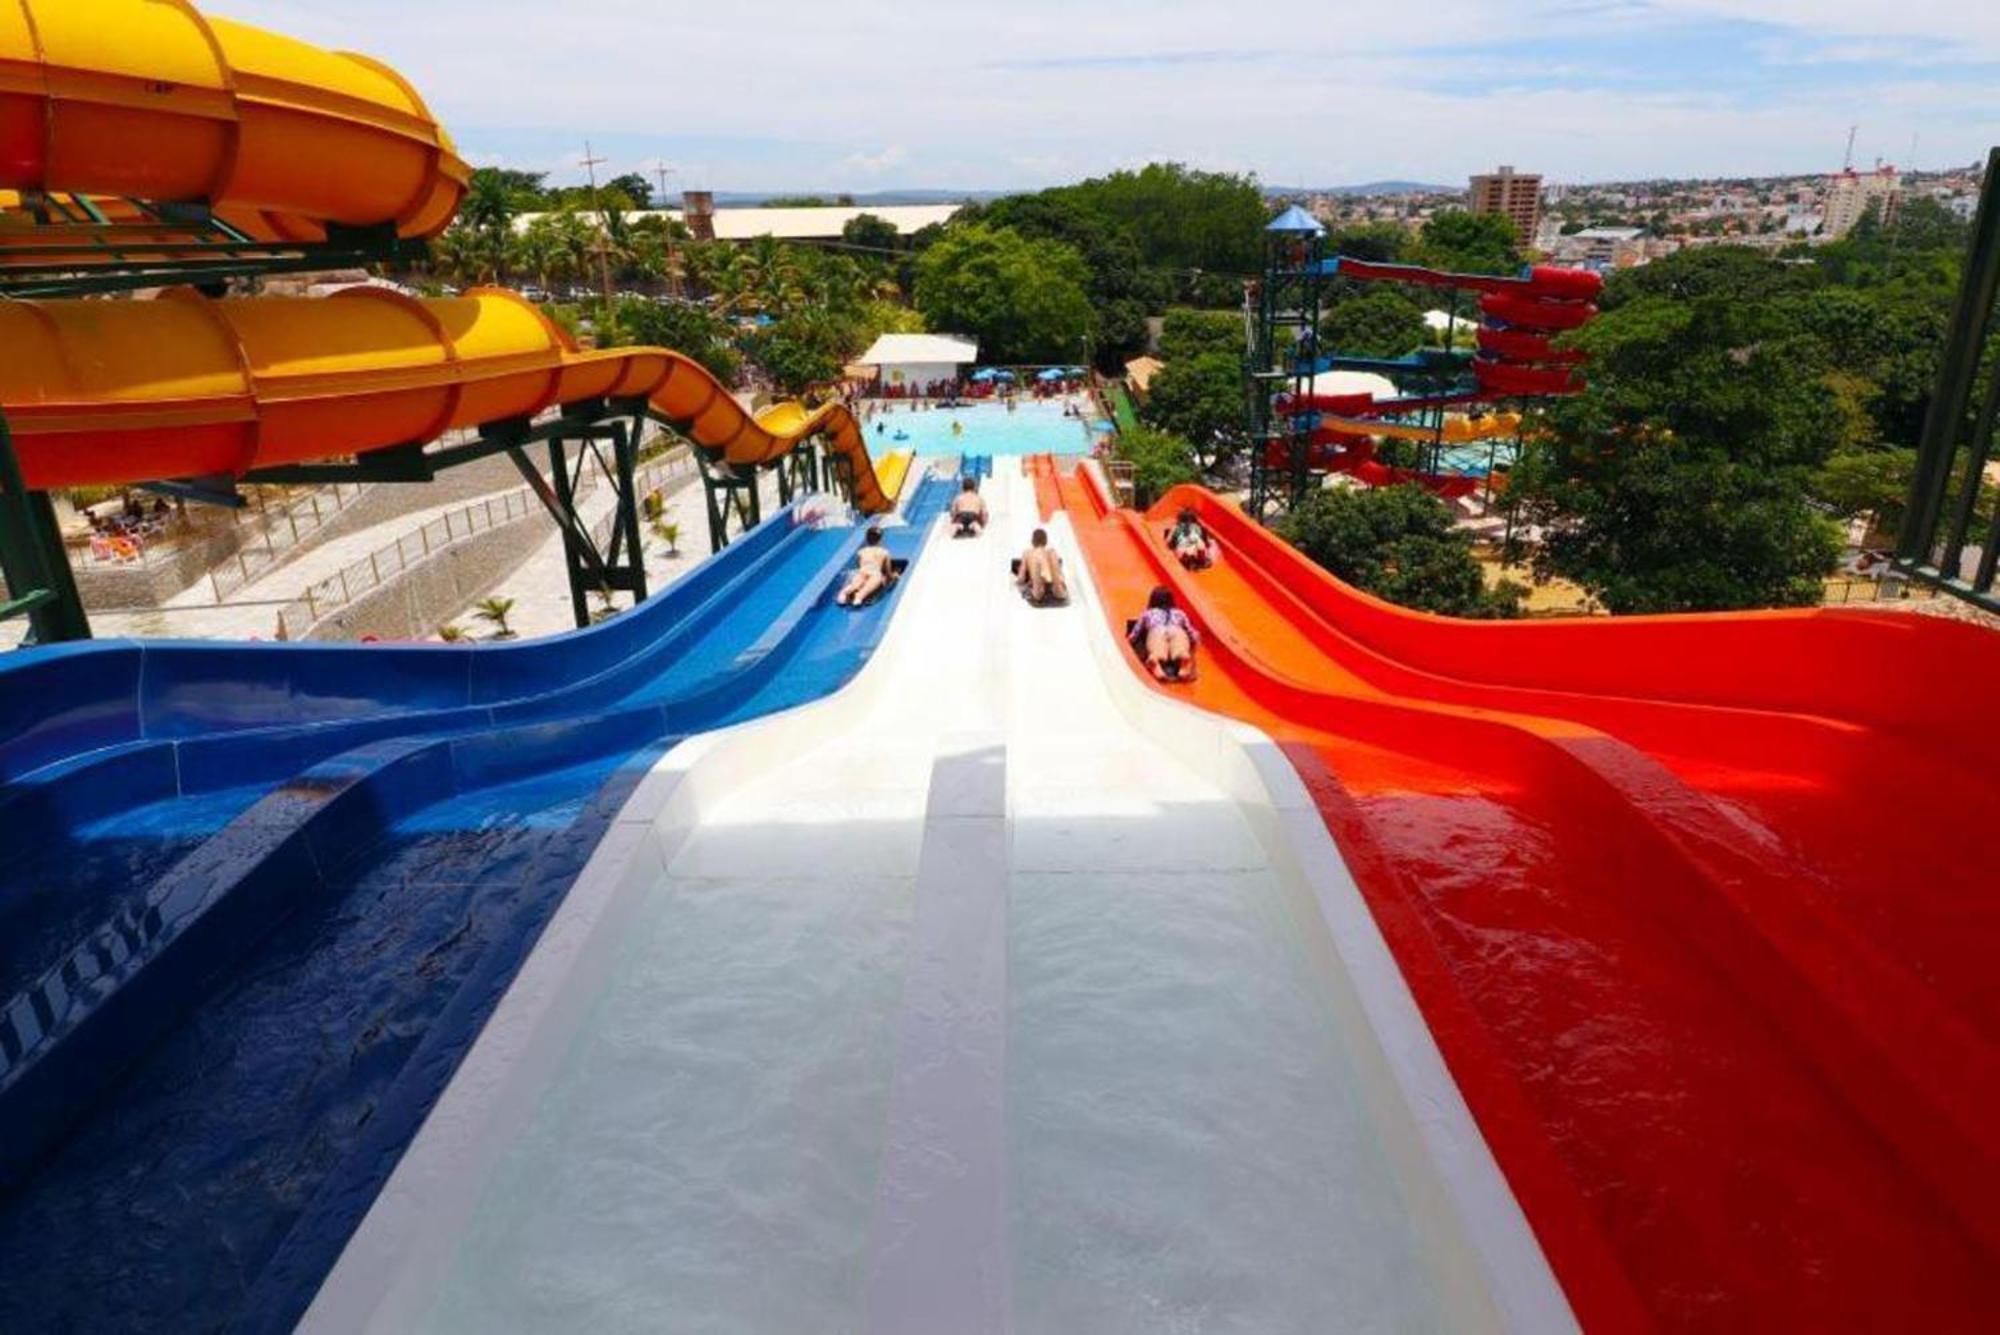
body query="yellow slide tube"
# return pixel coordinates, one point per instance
(1457, 430)
(119, 391)
(892, 471)
(149, 99)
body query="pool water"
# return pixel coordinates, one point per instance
(1037, 427)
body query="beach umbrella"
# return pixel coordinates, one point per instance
(1053, 373)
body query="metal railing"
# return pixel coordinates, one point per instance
(298, 617)
(345, 586)
(1891, 587)
(281, 528)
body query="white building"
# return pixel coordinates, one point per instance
(804, 224)
(1850, 193)
(918, 359)
(1601, 247)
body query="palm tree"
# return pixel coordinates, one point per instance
(495, 610)
(488, 205)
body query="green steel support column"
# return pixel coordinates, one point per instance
(575, 542)
(1938, 446)
(40, 583)
(625, 451)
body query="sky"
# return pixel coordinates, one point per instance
(807, 95)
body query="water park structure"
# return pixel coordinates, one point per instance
(1300, 433)
(755, 963)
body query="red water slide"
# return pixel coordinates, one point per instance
(1700, 909)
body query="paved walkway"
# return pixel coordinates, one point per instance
(540, 586)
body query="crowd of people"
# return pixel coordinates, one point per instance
(121, 534)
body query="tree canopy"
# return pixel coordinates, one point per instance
(1159, 459)
(1464, 242)
(871, 230)
(1025, 300)
(1376, 321)
(1199, 399)
(1681, 481)
(1186, 334)
(1399, 543)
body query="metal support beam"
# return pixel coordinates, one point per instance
(217, 490)
(1957, 443)
(621, 566)
(40, 584)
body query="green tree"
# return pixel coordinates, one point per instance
(1182, 218)
(1186, 334)
(1376, 322)
(1024, 300)
(1399, 543)
(1469, 243)
(870, 230)
(1160, 460)
(1199, 399)
(634, 189)
(1866, 483)
(1123, 289)
(1682, 480)
(685, 327)
(797, 352)
(1380, 242)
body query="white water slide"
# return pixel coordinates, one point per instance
(995, 993)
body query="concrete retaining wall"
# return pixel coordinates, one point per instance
(107, 588)
(414, 604)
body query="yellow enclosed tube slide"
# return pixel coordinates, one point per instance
(148, 98)
(115, 391)
(1457, 430)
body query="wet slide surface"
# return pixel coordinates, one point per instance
(1726, 1021)
(955, 1002)
(213, 1180)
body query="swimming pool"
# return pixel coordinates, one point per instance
(988, 428)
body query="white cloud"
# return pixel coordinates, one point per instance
(963, 95)
(874, 164)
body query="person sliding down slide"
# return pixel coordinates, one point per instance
(1164, 638)
(872, 573)
(968, 510)
(1190, 542)
(1039, 573)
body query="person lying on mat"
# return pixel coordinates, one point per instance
(968, 508)
(1165, 639)
(871, 572)
(1189, 541)
(1039, 572)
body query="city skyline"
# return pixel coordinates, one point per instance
(952, 97)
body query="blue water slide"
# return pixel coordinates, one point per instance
(271, 892)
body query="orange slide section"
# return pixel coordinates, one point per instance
(149, 99)
(114, 391)
(1697, 907)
